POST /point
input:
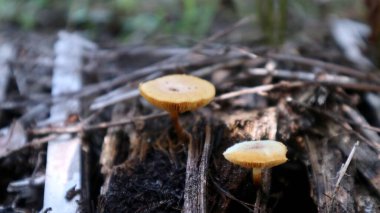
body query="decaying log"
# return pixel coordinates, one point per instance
(326, 162)
(110, 147)
(252, 125)
(329, 140)
(366, 201)
(196, 172)
(367, 156)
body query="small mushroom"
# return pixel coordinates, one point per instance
(176, 94)
(257, 155)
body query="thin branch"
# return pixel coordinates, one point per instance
(326, 65)
(343, 171)
(258, 89)
(204, 169)
(318, 79)
(103, 125)
(229, 195)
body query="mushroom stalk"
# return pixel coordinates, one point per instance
(177, 126)
(256, 176)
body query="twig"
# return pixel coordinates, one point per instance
(300, 75)
(315, 79)
(204, 169)
(325, 65)
(229, 195)
(258, 89)
(103, 125)
(360, 121)
(342, 171)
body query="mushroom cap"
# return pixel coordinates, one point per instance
(178, 92)
(257, 154)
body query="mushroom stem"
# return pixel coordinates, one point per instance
(256, 176)
(177, 126)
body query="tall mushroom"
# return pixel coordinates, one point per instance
(176, 94)
(257, 155)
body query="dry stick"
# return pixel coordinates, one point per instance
(258, 89)
(360, 121)
(204, 168)
(343, 170)
(325, 65)
(301, 75)
(195, 195)
(315, 79)
(103, 125)
(229, 195)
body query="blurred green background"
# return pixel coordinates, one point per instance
(139, 20)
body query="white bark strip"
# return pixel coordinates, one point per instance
(6, 53)
(63, 156)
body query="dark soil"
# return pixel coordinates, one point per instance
(155, 185)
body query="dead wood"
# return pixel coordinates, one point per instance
(252, 125)
(326, 162)
(110, 146)
(317, 110)
(199, 150)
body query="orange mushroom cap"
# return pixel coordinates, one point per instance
(178, 92)
(257, 154)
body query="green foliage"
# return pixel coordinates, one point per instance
(272, 17)
(197, 16)
(135, 18)
(25, 13)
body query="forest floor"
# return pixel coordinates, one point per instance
(70, 107)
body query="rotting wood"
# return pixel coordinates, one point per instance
(366, 201)
(367, 160)
(252, 125)
(326, 162)
(361, 121)
(63, 155)
(110, 147)
(196, 172)
(367, 157)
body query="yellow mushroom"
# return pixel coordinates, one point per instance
(257, 155)
(176, 94)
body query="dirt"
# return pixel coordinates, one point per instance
(155, 185)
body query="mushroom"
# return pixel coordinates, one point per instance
(257, 155)
(176, 94)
